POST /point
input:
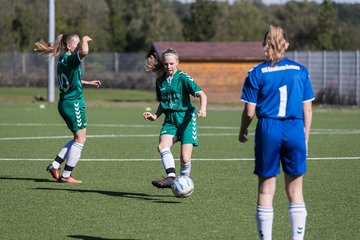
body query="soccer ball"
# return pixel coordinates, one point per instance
(182, 186)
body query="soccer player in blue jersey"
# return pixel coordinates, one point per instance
(71, 103)
(173, 90)
(279, 92)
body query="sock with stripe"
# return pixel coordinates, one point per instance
(297, 214)
(62, 155)
(73, 158)
(185, 169)
(264, 220)
(168, 162)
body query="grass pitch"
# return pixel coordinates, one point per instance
(119, 161)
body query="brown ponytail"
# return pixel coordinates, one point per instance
(154, 64)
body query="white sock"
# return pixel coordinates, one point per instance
(168, 162)
(264, 220)
(185, 169)
(62, 154)
(297, 214)
(73, 158)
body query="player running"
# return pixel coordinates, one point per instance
(173, 90)
(71, 103)
(280, 93)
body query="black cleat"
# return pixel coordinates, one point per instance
(163, 183)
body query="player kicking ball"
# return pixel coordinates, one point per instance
(173, 90)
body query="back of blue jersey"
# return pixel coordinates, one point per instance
(278, 91)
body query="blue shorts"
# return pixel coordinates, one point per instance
(280, 141)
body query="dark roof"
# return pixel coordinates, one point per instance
(213, 50)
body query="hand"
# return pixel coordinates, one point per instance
(243, 136)
(149, 116)
(201, 113)
(97, 83)
(86, 38)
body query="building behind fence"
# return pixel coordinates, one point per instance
(335, 76)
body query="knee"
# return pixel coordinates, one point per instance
(161, 146)
(80, 139)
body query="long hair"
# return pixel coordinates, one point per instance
(155, 64)
(275, 44)
(54, 49)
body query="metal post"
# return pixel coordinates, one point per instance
(51, 64)
(357, 78)
(339, 76)
(116, 64)
(309, 62)
(324, 70)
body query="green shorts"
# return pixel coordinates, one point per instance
(73, 113)
(182, 125)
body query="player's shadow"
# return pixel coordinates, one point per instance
(41, 180)
(83, 237)
(131, 195)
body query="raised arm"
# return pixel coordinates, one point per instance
(84, 46)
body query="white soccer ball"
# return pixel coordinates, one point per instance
(182, 186)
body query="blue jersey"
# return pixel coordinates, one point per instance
(279, 91)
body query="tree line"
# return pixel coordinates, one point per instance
(132, 25)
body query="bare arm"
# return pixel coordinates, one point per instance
(96, 83)
(203, 104)
(152, 117)
(84, 47)
(246, 119)
(307, 111)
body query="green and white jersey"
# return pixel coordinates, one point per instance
(175, 94)
(69, 76)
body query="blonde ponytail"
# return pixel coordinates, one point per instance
(52, 49)
(275, 44)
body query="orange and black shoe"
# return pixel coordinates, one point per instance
(55, 173)
(69, 179)
(163, 183)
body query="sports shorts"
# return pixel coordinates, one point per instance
(182, 125)
(73, 113)
(280, 142)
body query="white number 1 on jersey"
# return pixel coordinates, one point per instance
(283, 101)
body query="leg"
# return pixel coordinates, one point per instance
(185, 159)
(74, 155)
(297, 210)
(165, 143)
(265, 211)
(54, 167)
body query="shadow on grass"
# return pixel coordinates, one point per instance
(83, 237)
(41, 180)
(132, 195)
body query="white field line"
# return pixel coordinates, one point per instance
(152, 160)
(314, 130)
(329, 132)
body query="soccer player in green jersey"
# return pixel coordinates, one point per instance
(173, 90)
(71, 103)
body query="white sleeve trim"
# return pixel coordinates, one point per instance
(196, 93)
(309, 100)
(79, 57)
(247, 102)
